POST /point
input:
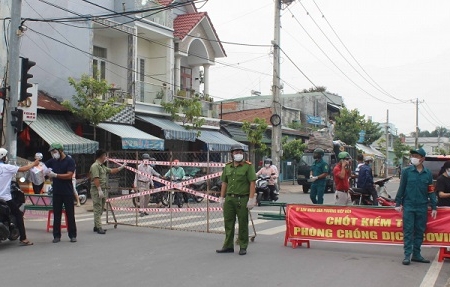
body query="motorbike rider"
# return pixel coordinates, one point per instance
(177, 173)
(318, 176)
(7, 172)
(37, 174)
(143, 182)
(365, 179)
(268, 170)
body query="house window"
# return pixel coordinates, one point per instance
(99, 63)
(142, 78)
(186, 78)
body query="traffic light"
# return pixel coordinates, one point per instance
(24, 76)
(17, 119)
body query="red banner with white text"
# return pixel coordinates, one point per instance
(360, 224)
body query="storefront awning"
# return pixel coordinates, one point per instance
(54, 128)
(367, 150)
(172, 131)
(239, 135)
(215, 141)
(133, 138)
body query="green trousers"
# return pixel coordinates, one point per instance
(235, 206)
(414, 225)
(98, 204)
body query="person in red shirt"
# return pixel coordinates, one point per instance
(341, 173)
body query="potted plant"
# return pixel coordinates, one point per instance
(159, 97)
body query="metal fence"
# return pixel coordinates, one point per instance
(198, 193)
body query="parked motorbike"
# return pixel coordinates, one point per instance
(263, 190)
(216, 186)
(200, 186)
(363, 197)
(158, 197)
(8, 222)
(83, 186)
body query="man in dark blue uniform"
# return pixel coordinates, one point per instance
(412, 198)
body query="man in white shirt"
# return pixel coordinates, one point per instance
(143, 183)
(7, 172)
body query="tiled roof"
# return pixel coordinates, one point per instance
(46, 102)
(183, 24)
(165, 2)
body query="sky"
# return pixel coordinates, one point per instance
(380, 56)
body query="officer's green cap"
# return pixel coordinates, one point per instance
(419, 151)
(55, 146)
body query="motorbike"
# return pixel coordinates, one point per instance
(162, 197)
(361, 196)
(199, 186)
(263, 190)
(83, 187)
(8, 222)
(216, 186)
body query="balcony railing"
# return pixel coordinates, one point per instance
(149, 93)
(163, 18)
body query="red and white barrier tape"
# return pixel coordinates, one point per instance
(162, 210)
(168, 163)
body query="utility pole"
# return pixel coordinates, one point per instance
(416, 142)
(13, 77)
(387, 145)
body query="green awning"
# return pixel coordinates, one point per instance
(172, 131)
(133, 138)
(238, 134)
(54, 128)
(215, 141)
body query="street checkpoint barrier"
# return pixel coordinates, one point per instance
(203, 216)
(357, 224)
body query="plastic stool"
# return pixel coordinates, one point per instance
(50, 223)
(443, 253)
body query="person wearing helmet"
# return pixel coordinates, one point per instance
(365, 179)
(318, 176)
(414, 194)
(268, 170)
(341, 174)
(7, 172)
(143, 181)
(37, 174)
(238, 189)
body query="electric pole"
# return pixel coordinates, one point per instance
(416, 142)
(387, 145)
(13, 77)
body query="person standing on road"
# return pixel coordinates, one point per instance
(360, 162)
(7, 172)
(412, 198)
(318, 176)
(37, 174)
(62, 169)
(99, 178)
(237, 198)
(143, 182)
(442, 187)
(341, 173)
(365, 179)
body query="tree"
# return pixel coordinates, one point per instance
(348, 125)
(293, 149)
(399, 150)
(89, 102)
(255, 131)
(192, 110)
(373, 132)
(315, 89)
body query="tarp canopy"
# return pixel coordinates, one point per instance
(369, 150)
(238, 134)
(215, 141)
(133, 138)
(172, 131)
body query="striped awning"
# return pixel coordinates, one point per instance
(54, 128)
(238, 134)
(215, 141)
(172, 131)
(133, 138)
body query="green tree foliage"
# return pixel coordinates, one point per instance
(373, 132)
(88, 100)
(348, 125)
(191, 108)
(400, 149)
(255, 131)
(293, 149)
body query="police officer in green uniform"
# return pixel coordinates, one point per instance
(318, 176)
(99, 178)
(238, 189)
(412, 198)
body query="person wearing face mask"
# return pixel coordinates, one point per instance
(237, 197)
(37, 174)
(412, 199)
(268, 170)
(62, 169)
(365, 179)
(341, 173)
(318, 176)
(177, 173)
(442, 187)
(99, 180)
(142, 182)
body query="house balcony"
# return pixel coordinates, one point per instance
(163, 18)
(149, 93)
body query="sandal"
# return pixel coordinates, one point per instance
(25, 242)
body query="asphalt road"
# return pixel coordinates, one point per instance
(142, 256)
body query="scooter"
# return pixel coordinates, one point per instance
(8, 222)
(83, 189)
(159, 197)
(199, 186)
(263, 190)
(361, 196)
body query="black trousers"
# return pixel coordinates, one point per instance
(372, 191)
(59, 202)
(19, 218)
(37, 188)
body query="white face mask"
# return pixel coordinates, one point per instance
(415, 161)
(267, 165)
(238, 157)
(56, 155)
(448, 172)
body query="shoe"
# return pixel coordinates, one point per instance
(25, 242)
(56, 240)
(242, 251)
(142, 214)
(73, 239)
(101, 231)
(225, 250)
(406, 261)
(420, 259)
(95, 229)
